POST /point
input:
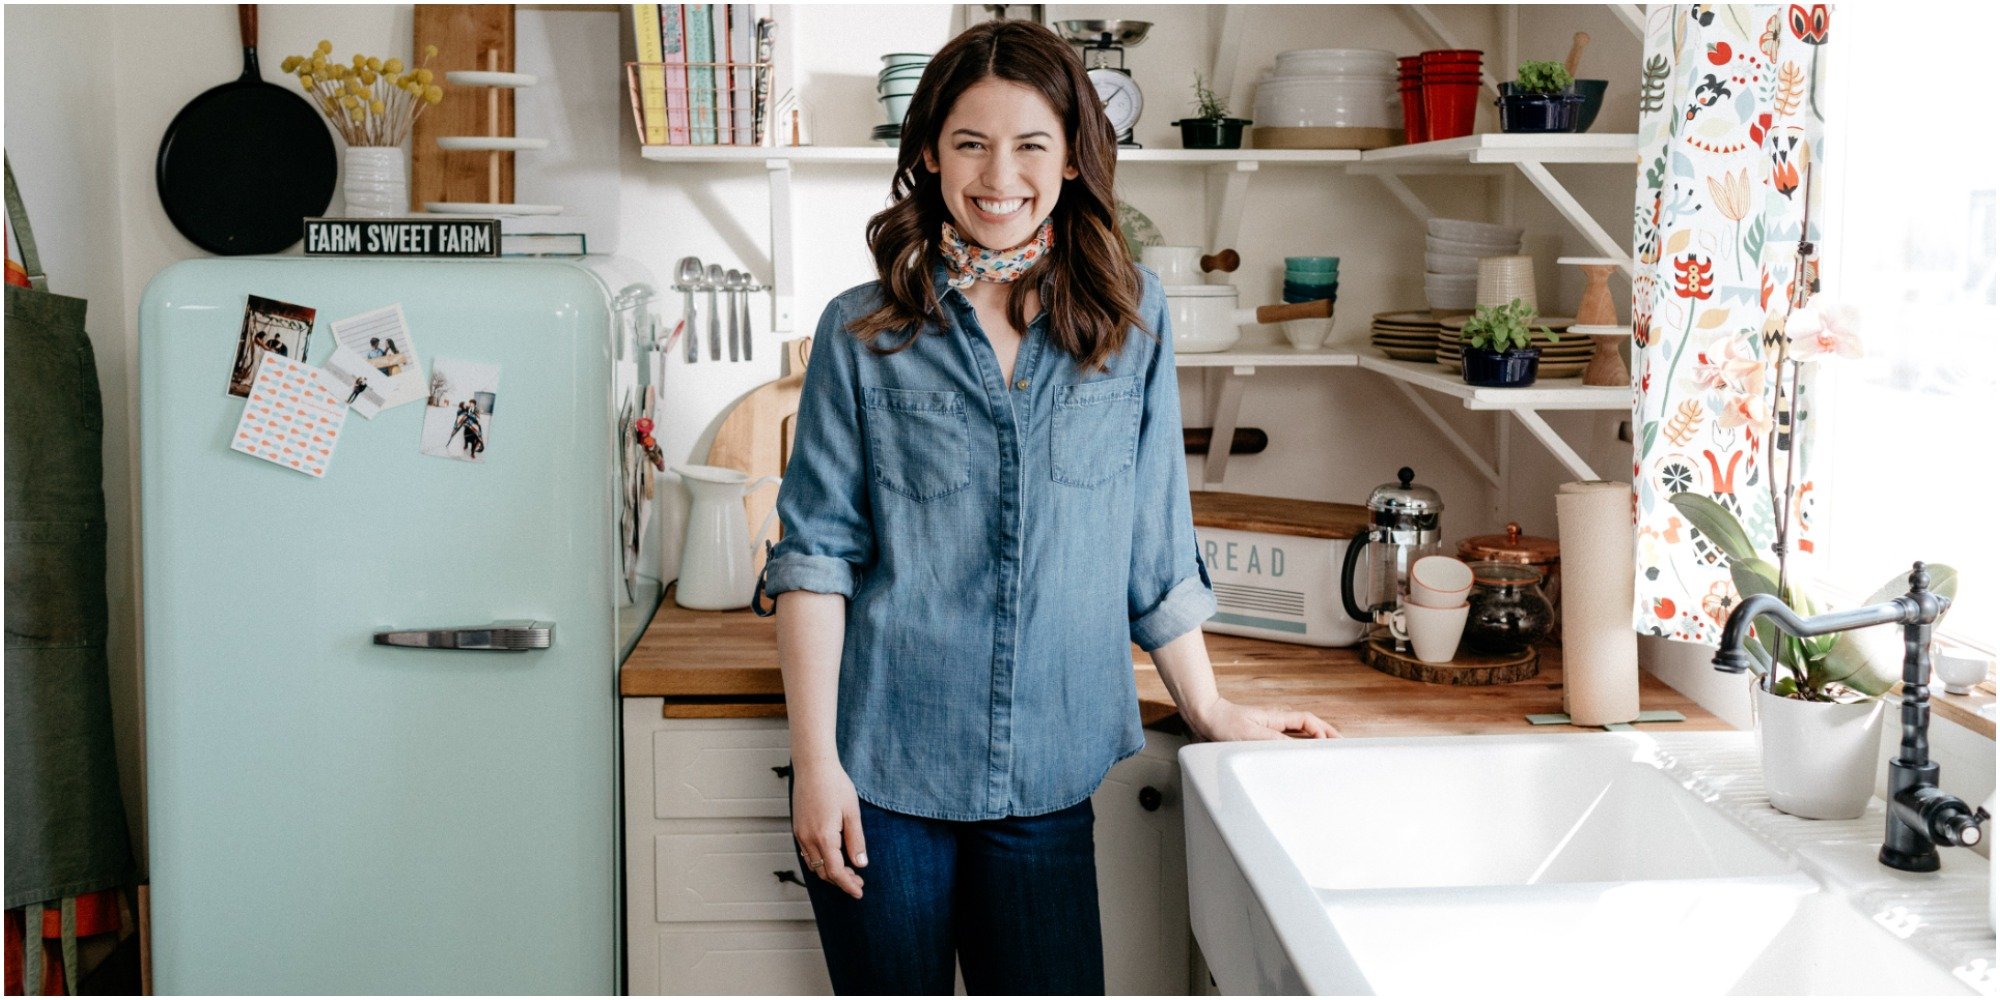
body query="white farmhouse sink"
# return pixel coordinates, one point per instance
(1558, 863)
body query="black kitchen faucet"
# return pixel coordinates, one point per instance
(1921, 817)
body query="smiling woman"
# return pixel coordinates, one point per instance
(982, 516)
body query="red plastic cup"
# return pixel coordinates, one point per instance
(1451, 55)
(1449, 109)
(1413, 112)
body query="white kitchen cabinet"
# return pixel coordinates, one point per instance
(715, 903)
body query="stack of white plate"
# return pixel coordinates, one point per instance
(1452, 250)
(1329, 88)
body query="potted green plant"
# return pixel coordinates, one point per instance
(1497, 346)
(1211, 127)
(1818, 702)
(1541, 98)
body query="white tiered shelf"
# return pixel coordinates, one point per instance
(886, 154)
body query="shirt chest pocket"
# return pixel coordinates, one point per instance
(1094, 433)
(918, 441)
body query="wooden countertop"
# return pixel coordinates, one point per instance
(710, 664)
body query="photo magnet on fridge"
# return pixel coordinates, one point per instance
(363, 383)
(383, 341)
(280, 328)
(458, 416)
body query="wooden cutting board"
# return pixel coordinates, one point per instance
(756, 437)
(468, 36)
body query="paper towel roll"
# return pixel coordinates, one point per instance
(1600, 648)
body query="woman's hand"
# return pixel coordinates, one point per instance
(1222, 719)
(825, 814)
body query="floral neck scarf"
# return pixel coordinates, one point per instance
(970, 262)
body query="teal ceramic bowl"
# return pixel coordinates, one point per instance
(1312, 265)
(905, 58)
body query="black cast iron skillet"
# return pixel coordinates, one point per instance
(244, 164)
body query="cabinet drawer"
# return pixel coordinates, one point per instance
(743, 963)
(727, 876)
(709, 771)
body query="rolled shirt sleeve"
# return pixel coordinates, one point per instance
(823, 503)
(1169, 590)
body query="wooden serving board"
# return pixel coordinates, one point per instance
(465, 34)
(1466, 669)
(1278, 515)
(756, 437)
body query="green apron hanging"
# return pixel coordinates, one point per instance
(66, 832)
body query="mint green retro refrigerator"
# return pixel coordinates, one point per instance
(332, 814)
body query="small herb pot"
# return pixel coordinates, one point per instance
(1212, 133)
(1500, 369)
(1529, 111)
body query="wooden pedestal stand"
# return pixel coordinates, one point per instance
(1597, 317)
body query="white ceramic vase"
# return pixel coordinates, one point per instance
(376, 181)
(1820, 758)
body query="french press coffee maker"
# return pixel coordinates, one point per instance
(1402, 528)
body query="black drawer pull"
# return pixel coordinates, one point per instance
(1150, 798)
(783, 770)
(787, 875)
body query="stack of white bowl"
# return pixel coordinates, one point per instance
(1452, 250)
(1330, 88)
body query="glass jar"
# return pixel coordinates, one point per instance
(1509, 611)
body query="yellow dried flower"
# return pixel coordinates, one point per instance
(433, 94)
(430, 51)
(393, 66)
(349, 100)
(306, 80)
(290, 65)
(425, 77)
(324, 47)
(374, 64)
(369, 77)
(360, 61)
(377, 106)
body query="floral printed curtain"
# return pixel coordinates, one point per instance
(1730, 130)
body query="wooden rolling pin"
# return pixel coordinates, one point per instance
(1316, 309)
(1222, 260)
(1575, 53)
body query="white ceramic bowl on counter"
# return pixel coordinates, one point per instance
(1327, 102)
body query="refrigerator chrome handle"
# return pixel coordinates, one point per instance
(507, 636)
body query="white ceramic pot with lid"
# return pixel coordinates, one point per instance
(1205, 318)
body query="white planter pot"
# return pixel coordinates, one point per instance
(1820, 758)
(376, 180)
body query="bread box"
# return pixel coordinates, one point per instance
(1275, 564)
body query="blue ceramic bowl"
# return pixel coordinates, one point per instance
(1293, 278)
(1593, 99)
(1321, 265)
(1291, 297)
(1327, 288)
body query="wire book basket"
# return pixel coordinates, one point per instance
(700, 103)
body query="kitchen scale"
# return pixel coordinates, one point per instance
(1116, 90)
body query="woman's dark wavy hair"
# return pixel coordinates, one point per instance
(1092, 296)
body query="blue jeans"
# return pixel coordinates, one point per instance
(1014, 898)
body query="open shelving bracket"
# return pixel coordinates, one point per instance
(1225, 221)
(1554, 442)
(1490, 473)
(1407, 197)
(1573, 212)
(1223, 390)
(778, 171)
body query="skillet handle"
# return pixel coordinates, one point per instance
(246, 25)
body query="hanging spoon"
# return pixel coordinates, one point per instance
(687, 274)
(714, 284)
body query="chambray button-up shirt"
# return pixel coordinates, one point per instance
(1000, 544)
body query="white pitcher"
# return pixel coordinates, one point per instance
(717, 556)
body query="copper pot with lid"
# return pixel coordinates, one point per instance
(1544, 554)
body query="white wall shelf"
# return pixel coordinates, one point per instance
(1510, 147)
(887, 155)
(1525, 405)
(1222, 375)
(1228, 178)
